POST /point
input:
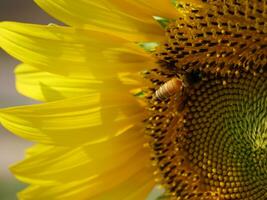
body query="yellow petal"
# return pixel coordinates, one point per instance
(137, 185)
(70, 51)
(118, 168)
(37, 149)
(144, 9)
(45, 86)
(74, 121)
(127, 18)
(57, 165)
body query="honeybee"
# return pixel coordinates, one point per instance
(170, 88)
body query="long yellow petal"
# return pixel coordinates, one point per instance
(137, 185)
(118, 169)
(45, 86)
(127, 18)
(74, 121)
(71, 51)
(64, 164)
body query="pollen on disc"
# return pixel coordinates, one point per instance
(210, 143)
(216, 148)
(221, 37)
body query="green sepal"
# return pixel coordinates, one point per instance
(174, 2)
(163, 197)
(149, 46)
(162, 21)
(140, 94)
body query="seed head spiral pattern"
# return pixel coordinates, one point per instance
(211, 141)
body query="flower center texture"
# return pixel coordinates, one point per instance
(209, 141)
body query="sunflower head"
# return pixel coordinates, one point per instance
(211, 141)
(200, 104)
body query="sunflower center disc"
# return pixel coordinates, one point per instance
(211, 141)
(216, 148)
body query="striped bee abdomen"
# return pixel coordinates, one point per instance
(170, 88)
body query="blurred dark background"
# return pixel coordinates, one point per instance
(11, 147)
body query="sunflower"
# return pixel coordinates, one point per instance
(139, 93)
